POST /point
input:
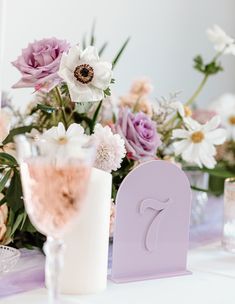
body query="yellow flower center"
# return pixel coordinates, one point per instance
(62, 140)
(187, 111)
(231, 120)
(197, 137)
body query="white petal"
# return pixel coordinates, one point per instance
(75, 130)
(192, 124)
(102, 75)
(67, 75)
(88, 93)
(207, 159)
(187, 153)
(61, 130)
(180, 146)
(50, 134)
(90, 54)
(180, 133)
(208, 148)
(230, 49)
(216, 137)
(212, 124)
(73, 57)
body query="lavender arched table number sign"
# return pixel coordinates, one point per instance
(152, 223)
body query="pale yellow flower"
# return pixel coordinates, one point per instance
(141, 87)
(128, 100)
(144, 105)
(136, 103)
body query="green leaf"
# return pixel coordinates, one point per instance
(23, 220)
(64, 89)
(117, 57)
(4, 180)
(28, 227)
(3, 201)
(218, 171)
(102, 49)
(95, 116)
(46, 109)
(17, 131)
(17, 223)
(208, 69)
(107, 92)
(14, 195)
(8, 159)
(199, 189)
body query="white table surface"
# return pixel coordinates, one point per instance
(212, 282)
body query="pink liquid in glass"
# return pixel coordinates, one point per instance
(53, 194)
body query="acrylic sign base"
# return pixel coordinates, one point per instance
(152, 223)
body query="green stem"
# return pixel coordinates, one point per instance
(197, 92)
(203, 82)
(61, 103)
(95, 116)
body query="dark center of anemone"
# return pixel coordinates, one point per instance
(84, 73)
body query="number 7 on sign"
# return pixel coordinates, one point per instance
(153, 229)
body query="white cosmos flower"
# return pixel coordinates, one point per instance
(110, 149)
(85, 74)
(59, 143)
(197, 143)
(224, 106)
(221, 41)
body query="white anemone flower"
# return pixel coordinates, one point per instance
(222, 42)
(60, 144)
(196, 144)
(224, 106)
(85, 74)
(110, 149)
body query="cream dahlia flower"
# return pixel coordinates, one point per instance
(196, 144)
(85, 74)
(110, 149)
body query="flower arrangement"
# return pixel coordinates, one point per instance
(73, 101)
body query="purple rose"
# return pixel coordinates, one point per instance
(139, 133)
(39, 64)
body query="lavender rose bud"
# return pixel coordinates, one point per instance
(39, 64)
(139, 133)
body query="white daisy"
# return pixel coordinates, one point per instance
(222, 42)
(59, 143)
(85, 74)
(197, 142)
(224, 106)
(110, 149)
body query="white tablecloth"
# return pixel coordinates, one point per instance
(212, 282)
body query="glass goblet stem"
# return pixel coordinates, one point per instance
(53, 249)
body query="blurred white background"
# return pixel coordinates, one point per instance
(165, 36)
